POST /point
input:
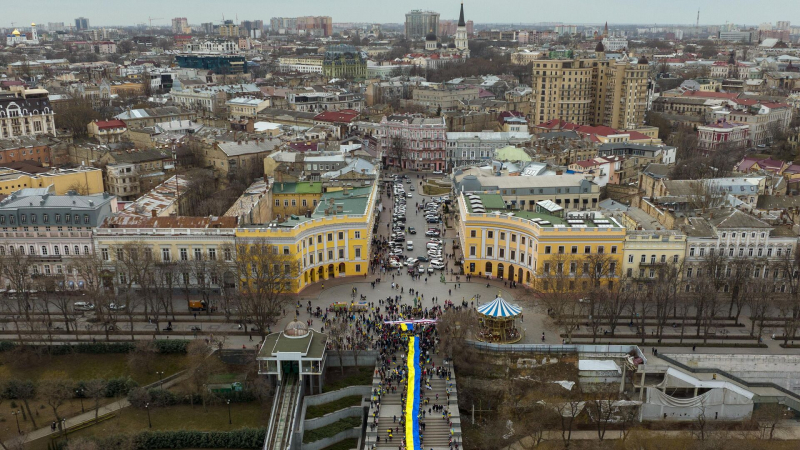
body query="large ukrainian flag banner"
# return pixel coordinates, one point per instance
(412, 396)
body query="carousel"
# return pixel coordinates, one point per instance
(498, 322)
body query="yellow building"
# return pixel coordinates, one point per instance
(298, 198)
(646, 251)
(334, 242)
(531, 247)
(201, 249)
(85, 181)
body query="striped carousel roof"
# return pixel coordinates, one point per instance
(499, 308)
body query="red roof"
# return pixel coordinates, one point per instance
(701, 94)
(106, 124)
(345, 115)
(635, 135)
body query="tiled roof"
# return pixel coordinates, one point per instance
(126, 221)
(345, 115)
(107, 124)
(701, 94)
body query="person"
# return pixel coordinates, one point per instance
(542, 336)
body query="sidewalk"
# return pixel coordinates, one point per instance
(89, 415)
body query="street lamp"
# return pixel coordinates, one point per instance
(16, 416)
(229, 412)
(147, 407)
(79, 394)
(64, 427)
(161, 379)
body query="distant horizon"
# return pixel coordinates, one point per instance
(582, 12)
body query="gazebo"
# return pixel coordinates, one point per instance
(497, 320)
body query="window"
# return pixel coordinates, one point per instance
(104, 252)
(148, 253)
(330, 237)
(32, 250)
(294, 202)
(45, 218)
(165, 254)
(358, 252)
(489, 251)
(600, 249)
(612, 268)
(212, 254)
(652, 259)
(330, 255)
(85, 250)
(587, 249)
(77, 219)
(502, 253)
(689, 272)
(341, 235)
(184, 254)
(66, 249)
(630, 258)
(319, 239)
(574, 250)
(198, 254)
(472, 250)
(472, 233)
(675, 259)
(357, 235)
(227, 254)
(663, 258)
(56, 250)
(68, 218)
(643, 259)
(560, 249)
(513, 238)
(305, 202)
(341, 253)
(547, 250)
(58, 218)
(490, 234)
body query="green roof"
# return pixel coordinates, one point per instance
(511, 153)
(311, 345)
(302, 187)
(352, 203)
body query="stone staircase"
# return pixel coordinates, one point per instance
(437, 430)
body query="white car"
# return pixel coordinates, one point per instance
(115, 307)
(437, 264)
(434, 241)
(409, 195)
(411, 261)
(434, 254)
(421, 269)
(395, 263)
(431, 245)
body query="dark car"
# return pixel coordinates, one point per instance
(412, 230)
(422, 258)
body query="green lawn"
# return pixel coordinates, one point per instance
(315, 411)
(429, 189)
(353, 376)
(183, 417)
(82, 366)
(331, 430)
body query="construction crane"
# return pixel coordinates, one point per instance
(151, 19)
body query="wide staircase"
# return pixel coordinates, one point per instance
(281, 421)
(437, 430)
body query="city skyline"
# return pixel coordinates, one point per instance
(681, 12)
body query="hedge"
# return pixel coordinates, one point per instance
(161, 397)
(245, 438)
(331, 430)
(165, 347)
(314, 411)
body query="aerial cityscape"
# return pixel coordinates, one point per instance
(332, 226)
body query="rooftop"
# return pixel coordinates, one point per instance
(301, 187)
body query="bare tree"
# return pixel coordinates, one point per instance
(398, 150)
(200, 367)
(600, 406)
(640, 306)
(760, 300)
(454, 328)
(56, 391)
(558, 286)
(16, 268)
(741, 271)
(337, 339)
(96, 390)
(24, 390)
(265, 277)
(769, 416)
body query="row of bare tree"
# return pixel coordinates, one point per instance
(703, 294)
(248, 283)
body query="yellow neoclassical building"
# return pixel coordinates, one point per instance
(532, 247)
(85, 180)
(334, 242)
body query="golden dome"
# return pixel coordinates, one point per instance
(33, 24)
(16, 33)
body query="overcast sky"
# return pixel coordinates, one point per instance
(130, 12)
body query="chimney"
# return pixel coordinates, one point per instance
(154, 212)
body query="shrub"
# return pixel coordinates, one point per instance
(331, 430)
(7, 345)
(118, 387)
(170, 346)
(251, 438)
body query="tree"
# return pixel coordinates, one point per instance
(760, 300)
(96, 390)
(56, 391)
(398, 150)
(600, 407)
(768, 416)
(265, 278)
(453, 328)
(74, 115)
(200, 367)
(16, 269)
(143, 355)
(337, 339)
(558, 286)
(24, 390)
(741, 271)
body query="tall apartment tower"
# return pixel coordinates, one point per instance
(462, 43)
(591, 91)
(179, 25)
(420, 23)
(81, 23)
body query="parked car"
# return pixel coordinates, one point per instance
(412, 230)
(83, 306)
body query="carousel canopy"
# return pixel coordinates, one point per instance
(499, 308)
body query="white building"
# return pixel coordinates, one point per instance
(17, 38)
(615, 44)
(466, 148)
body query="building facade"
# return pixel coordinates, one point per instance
(344, 61)
(419, 23)
(416, 143)
(464, 149)
(26, 113)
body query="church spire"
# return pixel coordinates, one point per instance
(461, 22)
(605, 30)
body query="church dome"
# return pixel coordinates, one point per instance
(295, 329)
(16, 33)
(431, 36)
(600, 47)
(33, 24)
